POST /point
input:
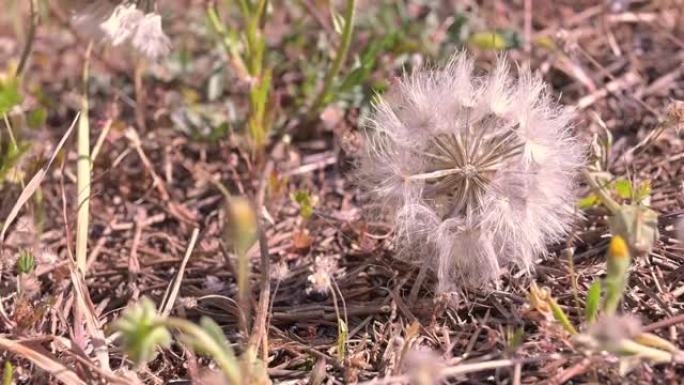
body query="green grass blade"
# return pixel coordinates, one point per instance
(593, 301)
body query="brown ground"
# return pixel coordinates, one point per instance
(619, 62)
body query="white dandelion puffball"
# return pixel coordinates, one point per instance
(478, 173)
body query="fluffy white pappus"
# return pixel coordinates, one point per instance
(121, 24)
(479, 170)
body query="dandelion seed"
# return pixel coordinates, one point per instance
(477, 172)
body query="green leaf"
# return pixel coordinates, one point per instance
(7, 373)
(11, 158)
(593, 301)
(214, 330)
(643, 191)
(342, 335)
(623, 188)
(9, 94)
(560, 316)
(617, 273)
(26, 262)
(367, 62)
(305, 202)
(489, 40)
(514, 338)
(589, 201)
(197, 339)
(36, 118)
(355, 77)
(545, 42)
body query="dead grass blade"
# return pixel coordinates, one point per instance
(32, 186)
(43, 359)
(259, 329)
(173, 289)
(86, 308)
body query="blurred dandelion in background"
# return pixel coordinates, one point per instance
(478, 172)
(125, 23)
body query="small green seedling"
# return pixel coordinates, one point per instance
(306, 203)
(143, 331)
(26, 262)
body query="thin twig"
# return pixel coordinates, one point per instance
(259, 335)
(664, 323)
(172, 290)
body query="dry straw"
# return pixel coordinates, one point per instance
(477, 172)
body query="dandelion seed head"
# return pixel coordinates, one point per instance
(478, 170)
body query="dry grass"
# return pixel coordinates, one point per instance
(620, 67)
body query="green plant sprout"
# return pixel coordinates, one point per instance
(26, 263)
(246, 50)
(250, 63)
(632, 218)
(143, 331)
(7, 373)
(617, 274)
(635, 222)
(345, 26)
(608, 331)
(306, 203)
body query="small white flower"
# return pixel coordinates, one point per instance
(477, 172)
(149, 38)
